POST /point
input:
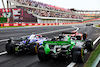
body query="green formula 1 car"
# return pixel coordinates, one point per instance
(64, 46)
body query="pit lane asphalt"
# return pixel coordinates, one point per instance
(27, 60)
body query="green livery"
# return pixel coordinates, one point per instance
(3, 19)
(64, 46)
(61, 43)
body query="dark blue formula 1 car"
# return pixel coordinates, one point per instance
(24, 44)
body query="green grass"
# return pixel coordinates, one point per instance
(87, 19)
(12, 26)
(92, 57)
(97, 26)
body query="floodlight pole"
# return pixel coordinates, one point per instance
(7, 4)
(3, 4)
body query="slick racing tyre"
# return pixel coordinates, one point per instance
(78, 55)
(89, 45)
(10, 48)
(84, 36)
(41, 54)
(32, 48)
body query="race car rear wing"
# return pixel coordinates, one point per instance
(68, 33)
(17, 38)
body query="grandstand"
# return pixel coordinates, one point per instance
(33, 11)
(88, 13)
(40, 12)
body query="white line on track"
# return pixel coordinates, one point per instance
(52, 31)
(45, 33)
(96, 40)
(57, 31)
(72, 64)
(3, 53)
(4, 40)
(76, 28)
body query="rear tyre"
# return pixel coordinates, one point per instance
(89, 45)
(32, 48)
(41, 54)
(78, 55)
(10, 48)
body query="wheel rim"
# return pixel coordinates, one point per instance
(36, 49)
(82, 54)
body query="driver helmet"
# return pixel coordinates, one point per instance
(32, 36)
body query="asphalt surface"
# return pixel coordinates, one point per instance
(28, 60)
(13, 32)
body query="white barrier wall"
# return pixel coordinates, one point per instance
(54, 21)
